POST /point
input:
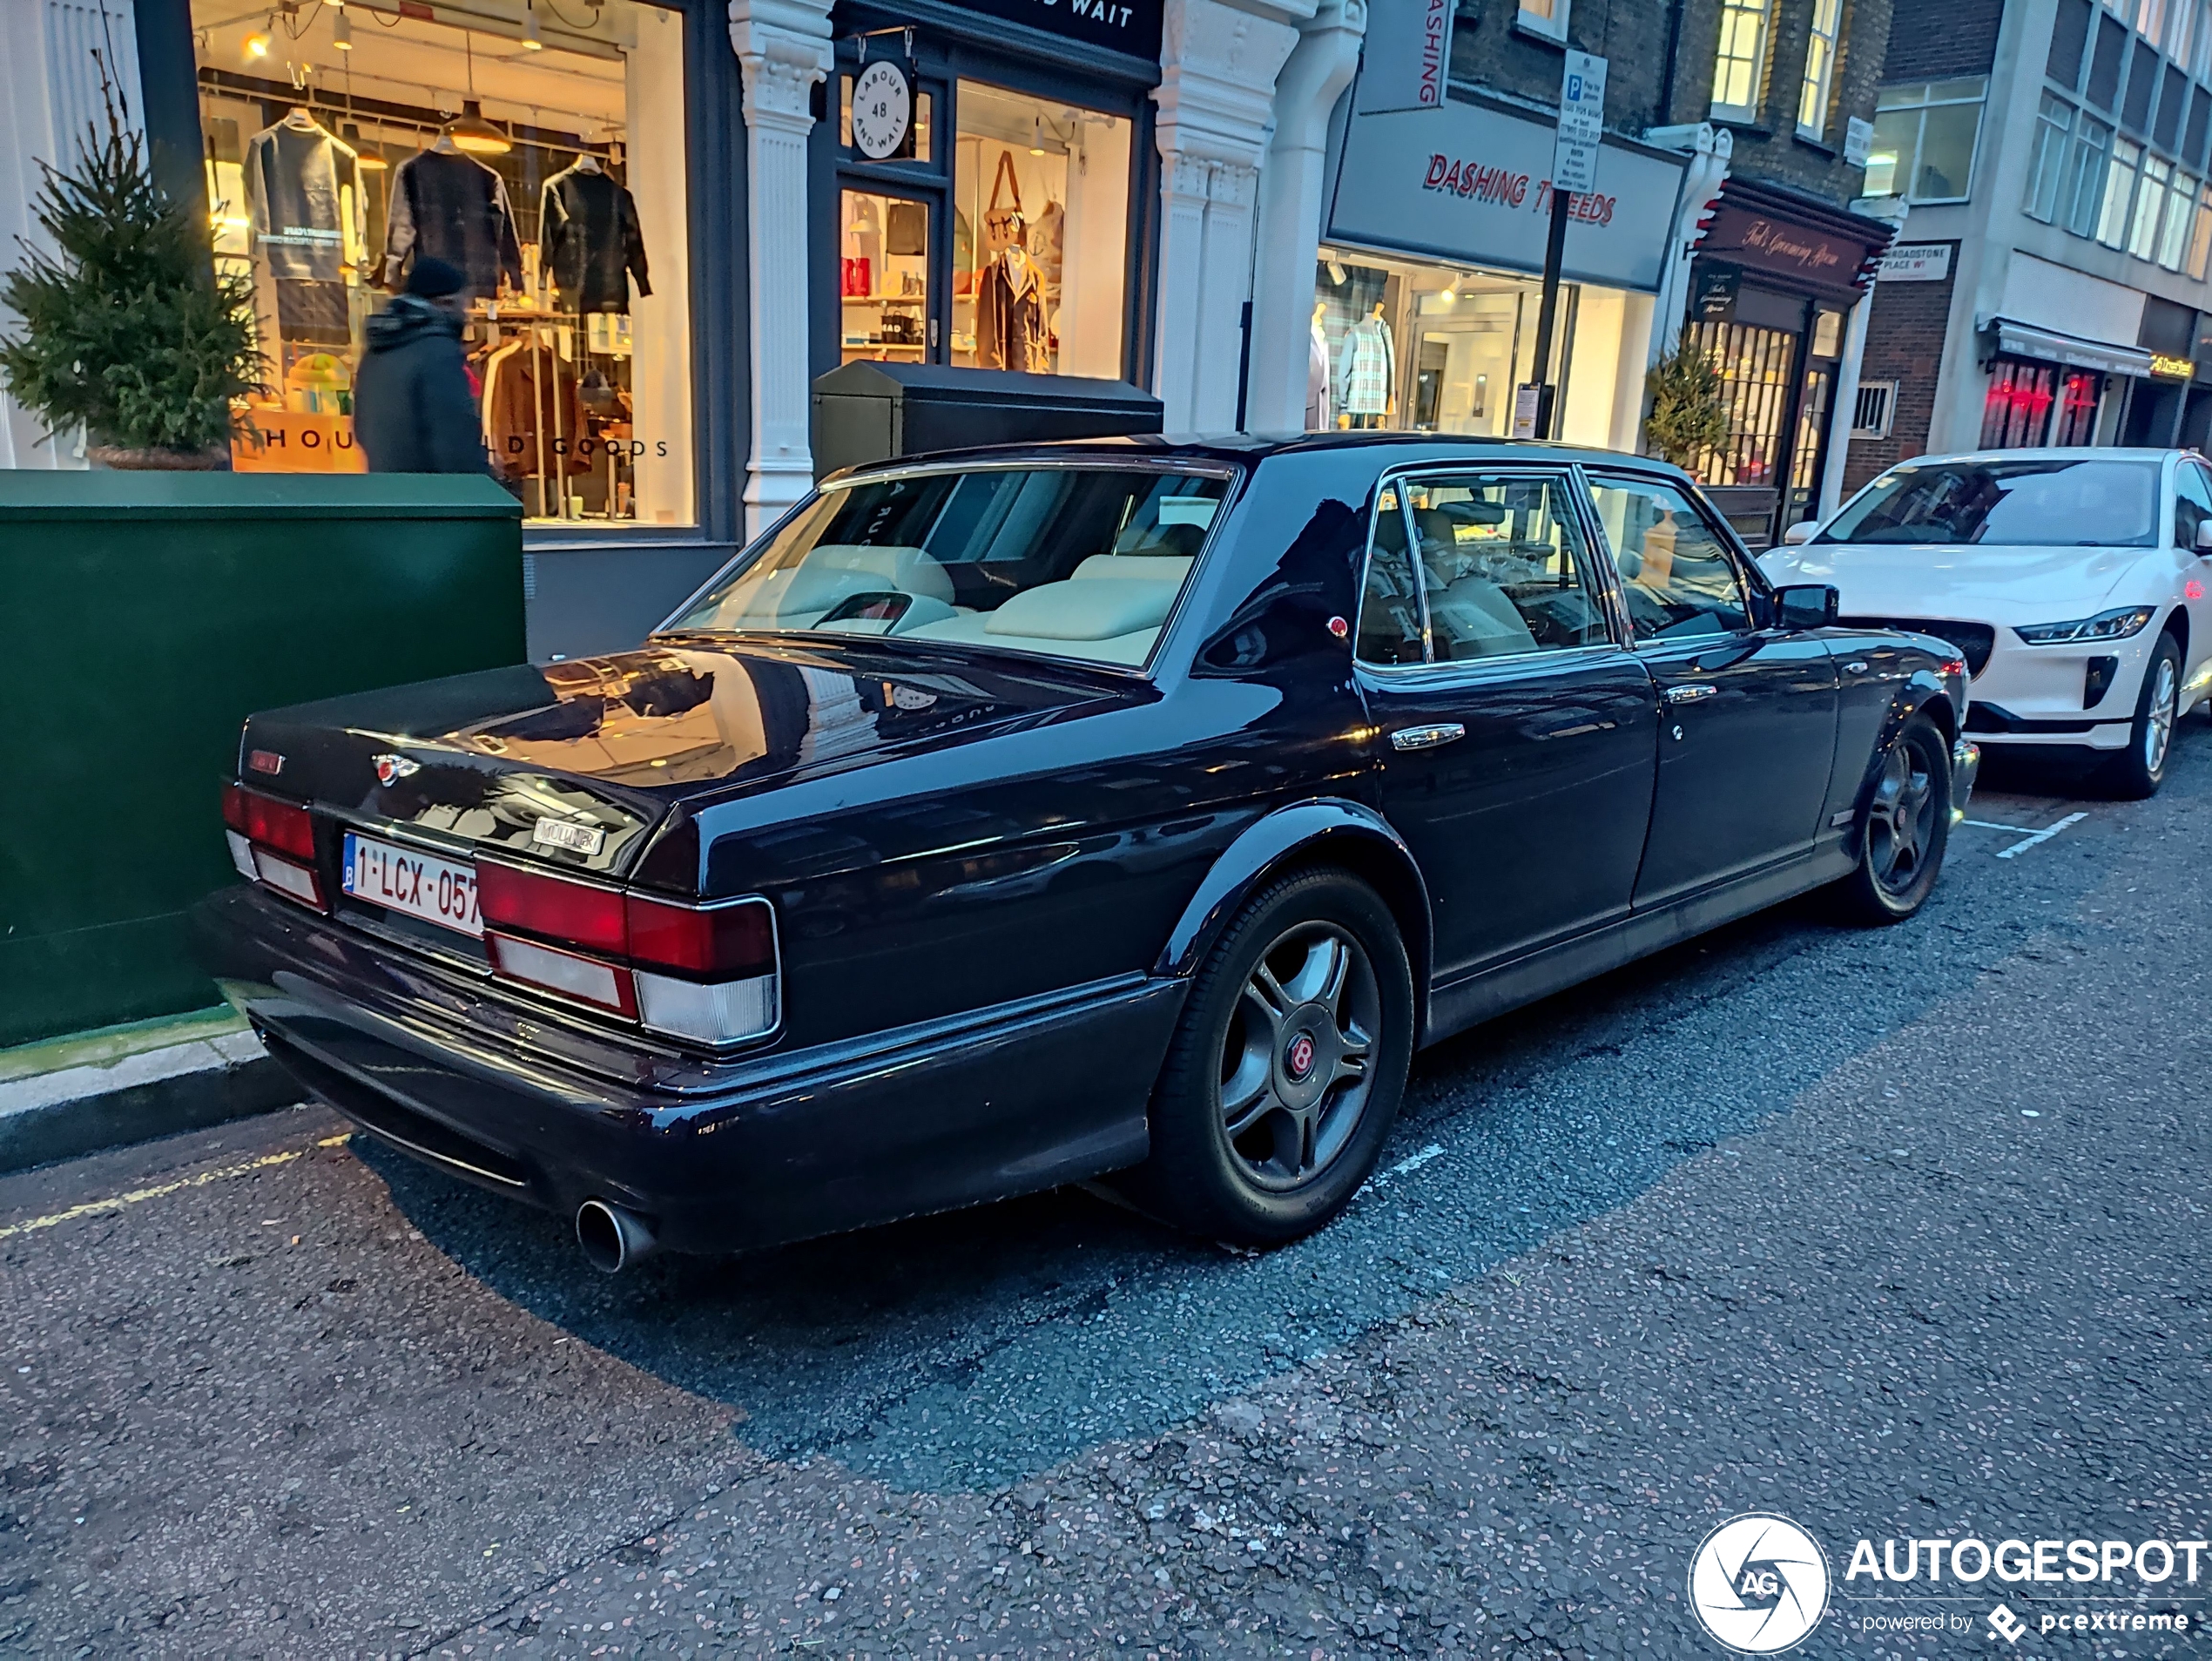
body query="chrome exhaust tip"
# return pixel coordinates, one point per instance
(612, 1239)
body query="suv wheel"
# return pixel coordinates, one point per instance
(2140, 769)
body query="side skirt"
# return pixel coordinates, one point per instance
(1492, 992)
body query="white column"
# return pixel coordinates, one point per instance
(784, 48)
(1709, 150)
(1840, 411)
(1217, 70)
(1293, 198)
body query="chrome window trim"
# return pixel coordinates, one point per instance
(1567, 474)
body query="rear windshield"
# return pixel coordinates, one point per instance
(1067, 562)
(2044, 504)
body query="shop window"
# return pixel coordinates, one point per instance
(1820, 67)
(883, 277)
(2120, 193)
(2046, 171)
(1924, 137)
(2201, 233)
(1740, 61)
(541, 153)
(1754, 367)
(1546, 18)
(2079, 396)
(1040, 234)
(2016, 411)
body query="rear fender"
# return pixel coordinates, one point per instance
(1326, 831)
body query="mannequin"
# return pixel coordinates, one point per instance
(1317, 372)
(1366, 371)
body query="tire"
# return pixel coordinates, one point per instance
(2139, 770)
(1904, 829)
(1273, 1105)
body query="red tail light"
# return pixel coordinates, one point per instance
(283, 826)
(725, 942)
(573, 913)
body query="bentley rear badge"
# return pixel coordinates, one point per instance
(390, 767)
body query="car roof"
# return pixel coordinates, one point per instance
(1246, 448)
(2049, 453)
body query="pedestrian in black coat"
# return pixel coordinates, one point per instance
(412, 411)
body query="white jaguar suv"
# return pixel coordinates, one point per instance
(2073, 582)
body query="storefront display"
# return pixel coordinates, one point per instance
(1008, 249)
(541, 154)
(1776, 275)
(1425, 301)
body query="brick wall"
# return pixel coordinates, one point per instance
(1769, 148)
(1931, 40)
(1489, 50)
(1904, 344)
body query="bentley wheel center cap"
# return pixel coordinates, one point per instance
(1297, 1060)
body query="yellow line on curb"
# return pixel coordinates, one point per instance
(95, 1207)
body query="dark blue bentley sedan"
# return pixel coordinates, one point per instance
(1015, 817)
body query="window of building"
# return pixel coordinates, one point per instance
(2030, 404)
(2082, 194)
(2181, 210)
(2150, 208)
(2046, 169)
(541, 155)
(1740, 61)
(1820, 67)
(883, 276)
(1925, 139)
(1040, 234)
(1754, 367)
(1545, 17)
(2120, 193)
(1874, 408)
(2201, 233)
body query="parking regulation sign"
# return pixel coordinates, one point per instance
(1581, 123)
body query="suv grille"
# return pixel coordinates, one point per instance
(1974, 640)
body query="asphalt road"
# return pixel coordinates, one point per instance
(1899, 1234)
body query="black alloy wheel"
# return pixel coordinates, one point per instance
(1284, 1076)
(2139, 770)
(1905, 828)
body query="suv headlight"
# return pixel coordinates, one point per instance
(2106, 625)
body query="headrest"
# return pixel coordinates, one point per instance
(1097, 609)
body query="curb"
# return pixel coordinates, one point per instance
(183, 1086)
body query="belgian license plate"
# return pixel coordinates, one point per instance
(421, 885)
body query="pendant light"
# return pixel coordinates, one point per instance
(469, 131)
(342, 29)
(1037, 135)
(532, 41)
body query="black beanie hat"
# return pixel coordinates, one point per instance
(433, 280)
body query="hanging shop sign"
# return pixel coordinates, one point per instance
(1406, 58)
(1472, 185)
(1809, 256)
(1131, 26)
(1713, 300)
(883, 106)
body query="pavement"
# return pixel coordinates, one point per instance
(1897, 1233)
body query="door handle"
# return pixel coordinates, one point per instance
(1856, 666)
(1690, 694)
(1427, 738)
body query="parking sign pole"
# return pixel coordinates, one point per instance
(1581, 129)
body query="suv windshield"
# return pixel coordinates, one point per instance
(1069, 562)
(2042, 503)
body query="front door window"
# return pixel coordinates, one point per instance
(1679, 580)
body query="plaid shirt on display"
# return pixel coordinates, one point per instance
(1364, 367)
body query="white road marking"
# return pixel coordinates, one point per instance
(1991, 824)
(1412, 1161)
(116, 1203)
(2043, 836)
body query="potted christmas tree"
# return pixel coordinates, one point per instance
(127, 330)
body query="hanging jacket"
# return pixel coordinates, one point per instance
(1364, 366)
(296, 178)
(590, 243)
(446, 206)
(1009, 316)
(413, 408)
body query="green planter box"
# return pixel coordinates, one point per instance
(142, 618)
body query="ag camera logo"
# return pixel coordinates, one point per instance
(1759, 1583)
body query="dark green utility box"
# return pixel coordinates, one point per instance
(143, 617)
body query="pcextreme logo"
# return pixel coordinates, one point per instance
(1759, 1583)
